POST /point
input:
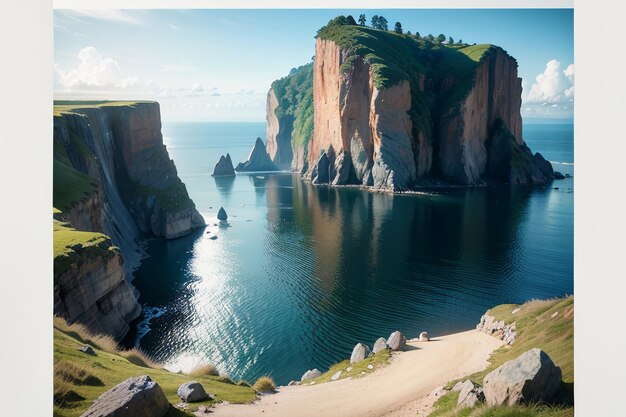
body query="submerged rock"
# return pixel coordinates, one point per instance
(258, 160)
(530, 378)
(359, 353)
(396, 341)
(558, 176)
(136, 397)
(221, 214)
(224, 167)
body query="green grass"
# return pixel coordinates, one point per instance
(67, 106)
(536, 328)
(69, 186)
(107, 369)
(378, 360)
(71, 245)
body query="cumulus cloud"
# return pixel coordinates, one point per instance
(554, 85)
(197, 87)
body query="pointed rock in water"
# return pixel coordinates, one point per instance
(258, 160)
(359, 353)
(396, 341)
(381, 344)
(221, 214)
(224, 167)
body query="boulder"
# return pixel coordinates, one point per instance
(192, 392)
(558, 176)
(424, 337)
(336, 376)
(136, 397)
(258, 160)
(532, 377)
(470, 394)
(221, 214)
(381, 344)
(293, 383)
(224, 167)
(88, 350)
(396, 341)
(359, 353)
(310, 374)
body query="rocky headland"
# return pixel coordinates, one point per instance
(114, 183)
(393, 112)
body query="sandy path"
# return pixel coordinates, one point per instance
(393, 390)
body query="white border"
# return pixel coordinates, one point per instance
(25, 167)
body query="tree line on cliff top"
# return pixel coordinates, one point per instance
(381, 23)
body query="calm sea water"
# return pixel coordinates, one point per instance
(303, 273)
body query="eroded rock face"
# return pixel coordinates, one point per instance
(359, 353)
(135, 397)
(497, 328)
(532, 377)
(278, 145)
(258, 160)
(224, 167)
(93, 290)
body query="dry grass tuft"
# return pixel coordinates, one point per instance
(204, 370)
(140, 358)
(63, 392)
(75, 373)
(264, 384)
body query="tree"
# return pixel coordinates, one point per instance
(430, 38)
(408, 32)
(460, 41)
(450, 41)
(417, 35)
(350, 20)
(362, 20)
(441, 38)
(398, 27)
(382, 23)
(375, 21)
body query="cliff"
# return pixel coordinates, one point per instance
(392, 111)
(112, 174)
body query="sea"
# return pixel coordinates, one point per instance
(300, 274)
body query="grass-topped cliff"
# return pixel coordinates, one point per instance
(80, 378)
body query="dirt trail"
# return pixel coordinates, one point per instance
(394, 390)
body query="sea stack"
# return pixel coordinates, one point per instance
(221, 214)
(224, 167)
(258, 160)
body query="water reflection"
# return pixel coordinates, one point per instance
(225, 185)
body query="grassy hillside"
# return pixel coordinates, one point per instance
(544, 324)
(70, 244)
(65, 106)
(80, 378)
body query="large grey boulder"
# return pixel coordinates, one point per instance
(396, 341)
(470, 394)
(224, 167)
(532, 377)
(310, 374)
(136, 397)
(359, 353)
(379, 345)
(258, 160)
(192, 392)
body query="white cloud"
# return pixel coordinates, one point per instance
(554, 85)
(111, 15)
(173, 27)
(197, 87)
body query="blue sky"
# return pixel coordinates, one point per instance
(217, 65)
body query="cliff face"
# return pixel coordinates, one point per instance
(112, 174)
(393, 112)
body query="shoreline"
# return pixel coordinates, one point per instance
(394, 389)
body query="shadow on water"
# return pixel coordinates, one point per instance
(225, 185)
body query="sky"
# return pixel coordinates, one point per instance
(217, 65)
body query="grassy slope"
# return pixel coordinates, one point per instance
(66, 106)
(535, 328)
(69, 186)
(377, 360)
(108, 369)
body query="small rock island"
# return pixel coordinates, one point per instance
(224, 167)
(258, 160)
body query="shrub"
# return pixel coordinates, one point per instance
(264, 384)
(203, 370)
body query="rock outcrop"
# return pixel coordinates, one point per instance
(135, 397)
(224, 167)
(112, 174)
(470, 394)
(419, 115)
(379, 345)
(192, 392)
(359, 353)
(258, 160)
(396, 341)
(530, 378)
(310, 374)
(497, 328)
